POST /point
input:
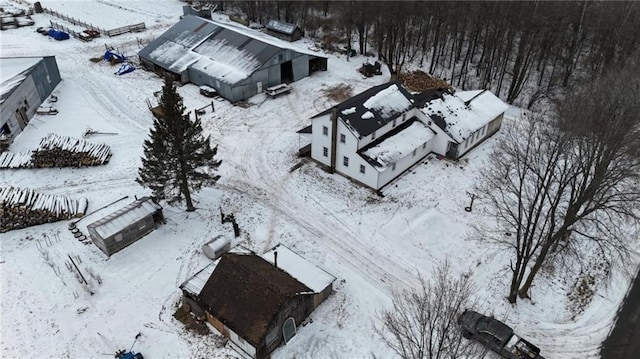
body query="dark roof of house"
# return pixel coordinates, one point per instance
(282, 27)
(307, 129)
(355, 109)
(246, 293)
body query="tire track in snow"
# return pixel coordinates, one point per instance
(262, 179)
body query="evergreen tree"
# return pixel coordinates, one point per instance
(177, 157)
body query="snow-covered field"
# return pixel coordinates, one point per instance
(373, 245)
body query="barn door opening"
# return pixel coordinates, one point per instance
(21, 116)
(452, 152)
(286, 72)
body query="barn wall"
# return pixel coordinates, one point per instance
(46, 76)
(97, 240)
(300, 67)
(320, 297)
(231, 335)
(34, 89)
(129, 235)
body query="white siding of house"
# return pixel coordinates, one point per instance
(319, 141)
(475, 138)
(439, 142)
(348, 149)
(243, 344)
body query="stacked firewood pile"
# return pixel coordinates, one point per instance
(20, 208)
(59, 151)
(421, 81)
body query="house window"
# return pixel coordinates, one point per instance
(414, 151)
(484, 130)
(343, 138)
(345, 161)
(280, 57)
(48, 79)
(394, 122)
(325, 151)
(26, 103)
(362, 169)
(118, 237)
(373, 135)
(393, 167)
(325, 130)
(424, 145)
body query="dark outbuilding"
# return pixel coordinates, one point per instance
(126, 225)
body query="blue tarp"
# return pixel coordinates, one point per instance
(125, 69)
(58, 34)
(110, 54)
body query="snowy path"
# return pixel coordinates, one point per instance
(373, 245)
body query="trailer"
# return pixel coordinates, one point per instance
(275, 91)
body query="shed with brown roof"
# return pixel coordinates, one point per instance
(248, 299)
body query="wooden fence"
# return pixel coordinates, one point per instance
(68, 30)
(113, 32)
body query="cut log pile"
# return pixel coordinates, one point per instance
(58, 151)
(421, 81)
(15, 159)
(20, 208)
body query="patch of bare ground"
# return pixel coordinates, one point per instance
(191, 323)
(339, 92)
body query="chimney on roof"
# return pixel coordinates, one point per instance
(275, 258)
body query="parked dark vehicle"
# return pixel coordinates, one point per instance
(208, 91)
(496, 336)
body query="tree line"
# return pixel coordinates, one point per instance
(521, 50)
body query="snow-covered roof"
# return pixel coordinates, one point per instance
(124, 217)
(299, 268)
(196, 282)
(13, 71)
(464, 112)
(280, 26)
(399, 145)
(373, 108)
(226, 52)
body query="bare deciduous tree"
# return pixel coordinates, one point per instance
(422, 323)
(556, 184)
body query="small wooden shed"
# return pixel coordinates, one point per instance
(284, 30)
(126, 225)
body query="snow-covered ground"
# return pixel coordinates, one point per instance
(373, 245)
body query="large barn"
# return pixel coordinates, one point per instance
(238, 62)
(26, 82)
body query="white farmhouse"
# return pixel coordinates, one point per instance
(378, 134)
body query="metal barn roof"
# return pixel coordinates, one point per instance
(223, 51)
(13, 71)
(124, 217)
(281, 26)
